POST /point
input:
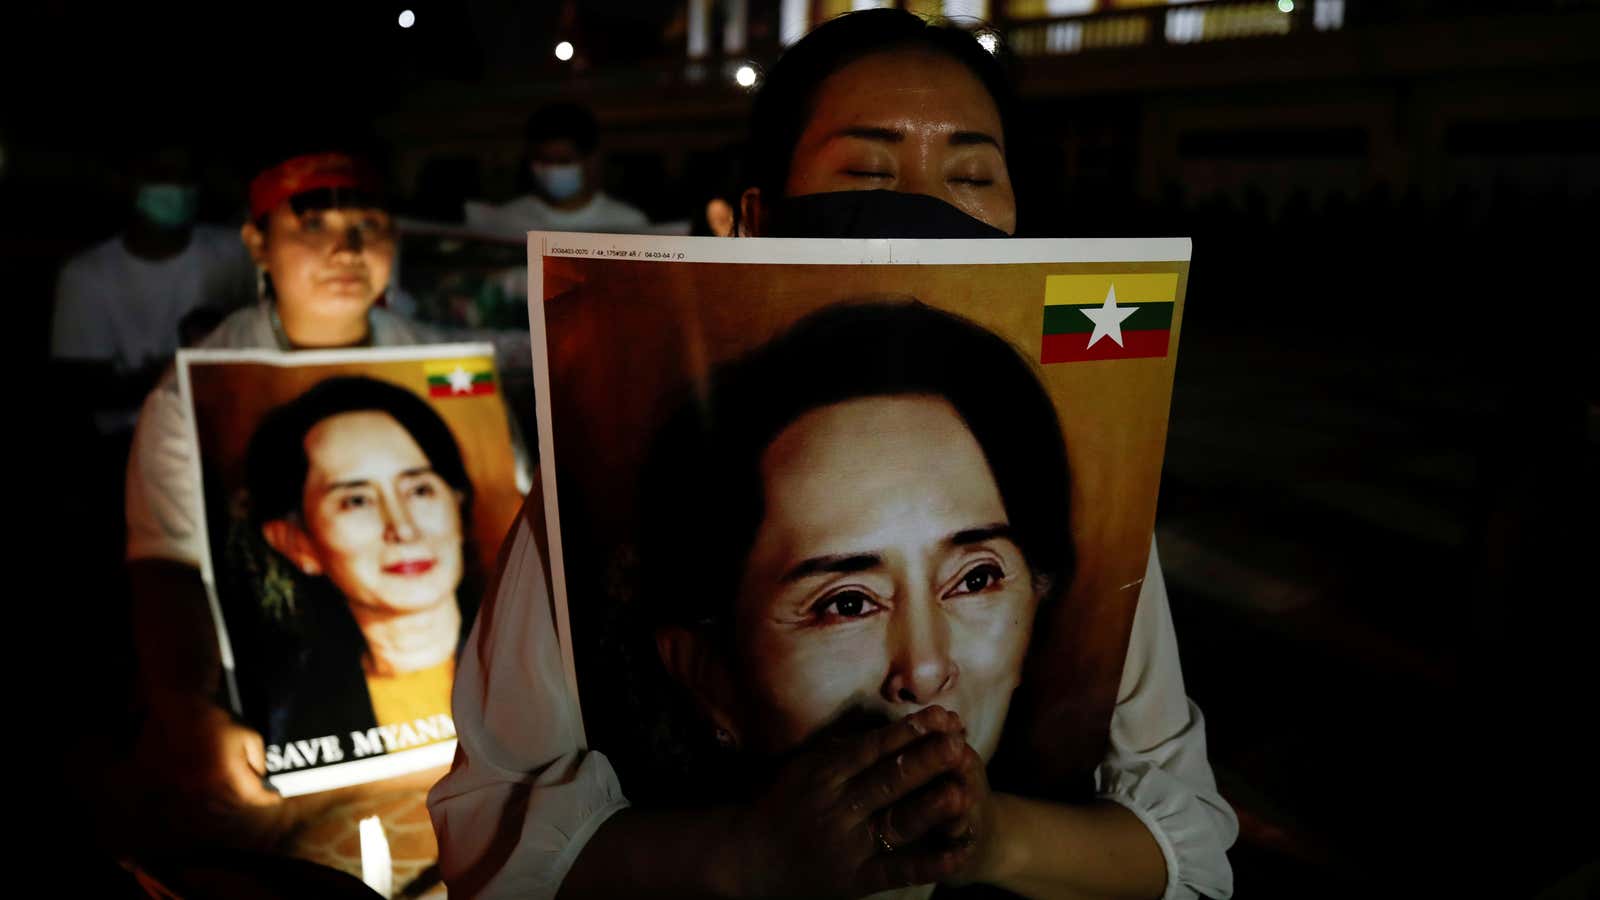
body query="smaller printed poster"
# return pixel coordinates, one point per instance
(354, 501)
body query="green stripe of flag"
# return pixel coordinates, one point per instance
(479, 378)
(1069, 319)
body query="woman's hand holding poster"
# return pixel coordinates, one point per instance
(354, 502)
(801, 489)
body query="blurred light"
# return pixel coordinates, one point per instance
(746, 76)
(407, 18)
(377, 867)
(989, 41)
(1286, 5)
(564, 51)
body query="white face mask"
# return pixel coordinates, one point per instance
(559, 181)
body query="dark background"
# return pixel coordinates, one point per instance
(1377, 516)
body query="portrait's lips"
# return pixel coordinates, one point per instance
(410, 567)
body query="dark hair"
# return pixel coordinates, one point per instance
(276, 464)
(787, 97)
(701, 488)
(571, 121)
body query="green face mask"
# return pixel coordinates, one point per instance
(170, 206)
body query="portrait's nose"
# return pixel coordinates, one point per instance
(921, 668)
(398, 528)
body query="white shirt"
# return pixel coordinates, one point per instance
(602, 213)
(114, 307)
(525, 795)
(163, 496)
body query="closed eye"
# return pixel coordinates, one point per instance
(863, 173)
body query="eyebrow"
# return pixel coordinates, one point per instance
(848, 563)
(363, 482)
(892, 136)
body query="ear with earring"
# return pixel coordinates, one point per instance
(261, 283)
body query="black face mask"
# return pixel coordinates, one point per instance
(873, 214)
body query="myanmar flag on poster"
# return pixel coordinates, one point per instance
(1107, 316)
(459, 377)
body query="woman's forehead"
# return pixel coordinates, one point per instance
(908, 87)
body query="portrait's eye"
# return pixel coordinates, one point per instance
(423, 489)
(980, 578)
(973, 182)
(867, 173)
(845, 604)
(311, 222)
(354, 501)
(373, 225)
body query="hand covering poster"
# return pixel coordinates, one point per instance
(791, 484)
(354, 500)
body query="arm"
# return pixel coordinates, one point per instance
(1159, 829)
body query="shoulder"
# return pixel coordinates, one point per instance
(243, 329)
(618, 211)
(389, 329)
(93, 263)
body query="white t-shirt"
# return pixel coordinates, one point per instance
(114, 307)
(163, 498)
(602, 213)
(525, 795)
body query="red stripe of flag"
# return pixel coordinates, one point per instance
(1058, 348)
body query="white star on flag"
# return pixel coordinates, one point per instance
(1107, 318)
(461, 379)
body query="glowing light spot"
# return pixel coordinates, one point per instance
(407, 18)
(989, 41)
(746, 76)
(564, 51)
(1286, 5)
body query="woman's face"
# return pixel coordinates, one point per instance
(883, 578)
(384, 527)
(910, 121)
(326, 265)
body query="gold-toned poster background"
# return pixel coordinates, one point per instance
(231, 398)
(623, 335)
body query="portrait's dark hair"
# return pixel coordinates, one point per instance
(276, 464)
(787, 98)
(570, 121)
(299, 629)
(701, 489)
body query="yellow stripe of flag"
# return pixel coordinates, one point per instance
(1090, 290)
(478, 365)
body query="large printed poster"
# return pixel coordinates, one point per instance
(796, 485)
(354, 501)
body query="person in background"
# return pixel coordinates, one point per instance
(563, 169)
(321, 234)
(118, 304)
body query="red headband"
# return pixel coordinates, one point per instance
(309, 173)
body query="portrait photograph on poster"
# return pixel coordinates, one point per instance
(354, 501)
(798, 486)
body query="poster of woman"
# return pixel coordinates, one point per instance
(803, 486)
(354, 500)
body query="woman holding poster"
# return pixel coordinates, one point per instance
(323, 240)
(875, 125)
